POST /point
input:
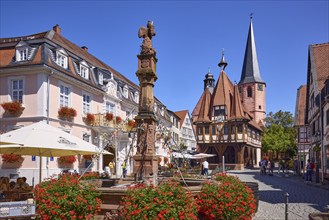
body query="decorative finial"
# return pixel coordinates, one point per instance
(208, 69)
(222, 64)
(251, 15)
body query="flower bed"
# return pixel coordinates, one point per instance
(169, 200)
(226, 198)
(66, 198)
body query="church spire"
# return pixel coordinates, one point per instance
(250, 70)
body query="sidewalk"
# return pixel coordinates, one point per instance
(294, 177)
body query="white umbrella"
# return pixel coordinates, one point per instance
(41, 139)
(202, 155)
(181, 155)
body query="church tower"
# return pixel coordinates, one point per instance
(209, 81)
(251, 86)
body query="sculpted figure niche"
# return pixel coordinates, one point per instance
(147, 33)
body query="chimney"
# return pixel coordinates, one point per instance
(85, 48)
(57, 29)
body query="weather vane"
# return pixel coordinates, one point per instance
(251, 14)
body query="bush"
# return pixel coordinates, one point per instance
(169, 200)
(226, 198)
(66, 198)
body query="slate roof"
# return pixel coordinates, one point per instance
(250, 70)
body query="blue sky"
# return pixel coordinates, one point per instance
(190, 37)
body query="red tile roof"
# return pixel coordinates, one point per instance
(321, 61)
(181, 114)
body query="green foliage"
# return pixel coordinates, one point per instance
(280, 134)
(66, 198)
(226, 198)
(169, 200)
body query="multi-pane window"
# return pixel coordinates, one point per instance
(109, 107)
(100, 78)
(17, 90)
(86, 103)
(84, 72)
(21, 54)
(64, 96)
(206, 130)
(226, 129)
(61, 60)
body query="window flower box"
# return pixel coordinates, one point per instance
(67, 113)
(89, 119)
(131, 123)
(109, 116)
(118, 119)
(13, 108)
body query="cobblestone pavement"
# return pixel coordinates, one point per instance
(303, 198)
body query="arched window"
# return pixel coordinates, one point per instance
(249, 91)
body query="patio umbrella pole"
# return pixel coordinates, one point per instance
(40, 169)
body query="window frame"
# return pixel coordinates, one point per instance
(11, 89)
(19, 51)
(66, 97)
(86, 106)
(249, 92)
(63, 62)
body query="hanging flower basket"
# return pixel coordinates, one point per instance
(13, 108)
(118, 119)
(109, 116)
(159, 160)
(67, 113)
(88, 157)
(89, 119)
(12, 158)
(67, 159)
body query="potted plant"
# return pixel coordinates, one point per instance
(11, 158)
(168, 200)
(159, 160)
(67, 159)
(13, 108)
(67, 113)
(89, 119)
(66, 198)
(109, 116)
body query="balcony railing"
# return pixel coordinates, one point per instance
(101, 121)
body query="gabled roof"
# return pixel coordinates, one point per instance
(300, 109)
(205, 104)
(250, 70)
(223, 91)
(237, 110)
(319, 55)
(181, 114)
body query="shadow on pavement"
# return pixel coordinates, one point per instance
(299, 192)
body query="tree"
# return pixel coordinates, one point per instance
(280, 134)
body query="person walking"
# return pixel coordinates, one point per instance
(124, 169)
(270, 167)
(308, 171)
(205, 167)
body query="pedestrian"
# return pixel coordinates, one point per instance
(205, 167)
(308, 171)
(111, 166)
(124, 169)
(270, 167)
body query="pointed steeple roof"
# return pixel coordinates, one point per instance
(203, 115)
(223, 91)
(250, 70)
(237, 110)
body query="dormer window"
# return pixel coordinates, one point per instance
(21, 54)
(100, 78)
(125, 91)
(136, 97)
(84, 71)
(61, 59)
